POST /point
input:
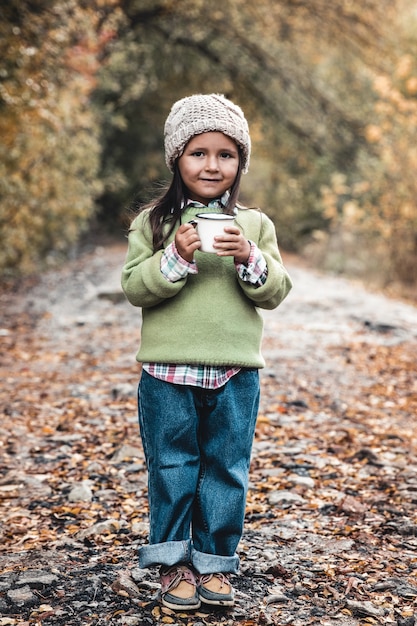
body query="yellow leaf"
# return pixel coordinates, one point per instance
(263, 419)
(166, 611)
(47, 430)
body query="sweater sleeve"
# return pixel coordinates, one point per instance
(142, 280)
(278, 283)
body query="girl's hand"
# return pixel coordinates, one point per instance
(187, 241)
(233, 243)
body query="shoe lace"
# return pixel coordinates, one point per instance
(172, 577)
(224, 580)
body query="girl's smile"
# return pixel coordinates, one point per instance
(208, 165)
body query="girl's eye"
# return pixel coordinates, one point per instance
(201, 153)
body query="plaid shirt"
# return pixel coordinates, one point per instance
(195, 375)
(174, 268)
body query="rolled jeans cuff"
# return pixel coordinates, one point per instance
(167, 553)
(213, 563)
(173, 552)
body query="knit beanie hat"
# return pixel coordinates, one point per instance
(200, 114)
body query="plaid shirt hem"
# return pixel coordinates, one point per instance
(204, 376)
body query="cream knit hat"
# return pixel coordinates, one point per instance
(200, 114)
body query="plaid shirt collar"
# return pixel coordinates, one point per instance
(217, 203)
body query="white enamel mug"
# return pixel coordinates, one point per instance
(209, 225)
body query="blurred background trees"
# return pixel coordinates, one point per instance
(329, 90)
(50, 139)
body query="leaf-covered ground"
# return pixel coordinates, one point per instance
(331, 528)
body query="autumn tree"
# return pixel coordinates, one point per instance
(49, 147)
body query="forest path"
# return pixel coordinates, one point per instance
(330, 535)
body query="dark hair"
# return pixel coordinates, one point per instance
(168, 207)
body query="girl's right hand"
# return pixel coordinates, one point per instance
(187, 241)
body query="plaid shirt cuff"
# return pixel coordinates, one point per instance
(174, 267)
(255, 271)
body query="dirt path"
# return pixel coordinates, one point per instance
(331, 525)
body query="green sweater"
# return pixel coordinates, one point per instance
(209, 318)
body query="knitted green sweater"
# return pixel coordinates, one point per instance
(209, 318)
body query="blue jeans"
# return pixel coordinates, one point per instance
(197, 444)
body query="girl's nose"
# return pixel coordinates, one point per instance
(212, 164)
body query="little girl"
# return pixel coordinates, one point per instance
(200, 350)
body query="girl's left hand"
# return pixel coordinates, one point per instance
(233, 243)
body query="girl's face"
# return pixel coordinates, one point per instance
(208, 165)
